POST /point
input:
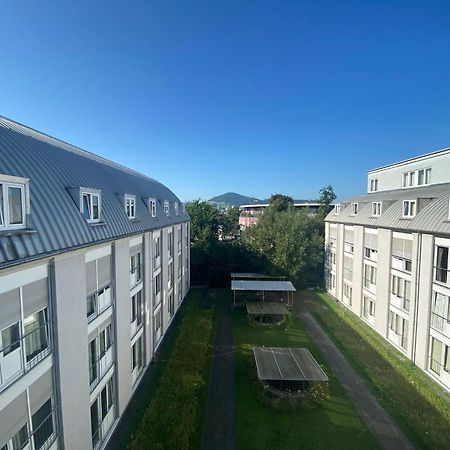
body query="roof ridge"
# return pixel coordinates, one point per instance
(63, 145)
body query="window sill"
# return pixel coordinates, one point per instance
(135, 219)
(17, 231)
(97, 224)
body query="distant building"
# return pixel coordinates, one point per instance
(387, 258)
(94, 263)
(249, 214)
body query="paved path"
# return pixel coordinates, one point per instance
(383, 427)
(218, 432)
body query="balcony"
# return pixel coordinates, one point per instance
(99, 302)
(99, 435)
(440, 323)
(372, 287)
(101, 367)
(156, 262)
(136, 324)
(136, 276)
(399, 302)
(371, 254)
(441, 275)
(404, 265)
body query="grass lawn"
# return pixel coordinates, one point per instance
(419, 405)
(173, 406)
(334, 424)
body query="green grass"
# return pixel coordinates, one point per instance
(419, 406)
(334, 424)
(174, 407)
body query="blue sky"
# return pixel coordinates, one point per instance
(255, 97)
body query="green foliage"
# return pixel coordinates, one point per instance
(327, 196)
(172, 419)
(292, 242)
(281, 202)
(419, 406)
(204, 220)
(229, 222)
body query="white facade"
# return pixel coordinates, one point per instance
(392, 274)
(79, 337)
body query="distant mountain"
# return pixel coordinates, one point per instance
(233, 199)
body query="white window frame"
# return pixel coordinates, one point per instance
(411, 178)
(376, 209)
(409, 208)
(177, 213)
(152, 206)
(166, 207)
(373, 185)
(130, 206)
(92, 193)
(354, 209)
(337, 209)
(7, 182)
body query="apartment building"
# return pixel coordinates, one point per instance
(94, 264)
(387, 258)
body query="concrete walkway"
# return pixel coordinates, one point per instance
(218, 432)
(380, 423)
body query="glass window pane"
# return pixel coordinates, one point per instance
(1, 206)
(10, 339)
(86, 206)
(15, 205)
(35, 334)
(42, 424)
(95, 203)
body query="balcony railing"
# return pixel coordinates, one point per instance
(400, 302)
(100, 367)
(440, 323)
(99, 435)
(45, 434)
(136, 275)
(98, 302)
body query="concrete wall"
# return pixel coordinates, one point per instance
(72, 369)
(383, 281)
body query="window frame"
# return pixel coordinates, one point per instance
(337, 209)
(166, 208)
(91, 193)
(130, 206)
(411, 209)
(410, 178)
(377, 209)
(7, 182)
(152, 206)
(354, 209)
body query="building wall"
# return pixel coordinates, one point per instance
(68, 362)
(416, 341)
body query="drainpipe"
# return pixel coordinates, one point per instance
(416, 303)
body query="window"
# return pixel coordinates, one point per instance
(42, 424)
(370, 276)
(373, 185)
(130, 206)
(106, 398)
(171, 275)
(36, 334)
(166, 207)
(368, 307)
(12, 206)
(348, 292)
(436, 351)
(157, 284)
(152, 206)
(10, 339)
(409, 208)
(354, 209)
(376, 209)
(136, 308)
(180, 264)
(441, 269)
(90, 206)
(170, 244)
(136, 355)
(92, 351)
(105, 340)
(337, 209)
(447, 359)
(157, 244)
(401, 288)
(420, 177)
(135, 266)
(19, 440)
(158, 321)
(176, 208)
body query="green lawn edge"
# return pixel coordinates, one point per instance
(417, 404)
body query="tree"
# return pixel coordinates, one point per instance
(327, 196)
(204, 220)
(281, 202)
(229, 221)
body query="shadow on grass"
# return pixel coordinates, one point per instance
(420, 407)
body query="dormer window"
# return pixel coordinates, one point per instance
(409, 208)
(166, 207)
(354, 209)
(176, 208)
(90, 205)
(130, 206)
(376, 209)
(373, 185)
(420, 177)
(337, 209)
(12, 203)
(152, 206)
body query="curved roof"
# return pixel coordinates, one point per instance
(432, 215)
(55, 223)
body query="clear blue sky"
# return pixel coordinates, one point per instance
(255, 97)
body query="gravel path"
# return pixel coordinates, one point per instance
(218, 432)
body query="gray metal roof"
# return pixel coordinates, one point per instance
(55, 223)
(432, 217)
(266, 308)
(262, 285)
(248, 275)
(287, 364)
